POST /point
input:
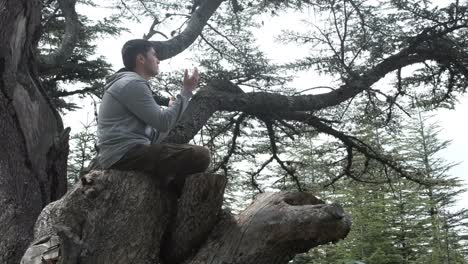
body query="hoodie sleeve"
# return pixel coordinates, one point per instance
(137, 97)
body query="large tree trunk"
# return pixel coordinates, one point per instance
(33, 144)
(126, 217)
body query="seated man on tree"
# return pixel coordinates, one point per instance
(131, 125)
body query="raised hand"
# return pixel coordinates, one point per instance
(191, 82)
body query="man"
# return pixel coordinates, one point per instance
(131, 125)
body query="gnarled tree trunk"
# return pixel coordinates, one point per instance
(33, 143)
(125, 217)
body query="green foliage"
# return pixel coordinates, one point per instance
(82, 150)
(83, 69)
(401, 221)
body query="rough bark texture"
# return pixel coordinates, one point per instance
(108, 218)
(125, 217)
(170, 48)
(33, 143)
(201, 108)
(198, 210)
(272, 230)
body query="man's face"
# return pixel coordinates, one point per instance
(151, 63)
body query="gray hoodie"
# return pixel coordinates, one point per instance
(128, 115)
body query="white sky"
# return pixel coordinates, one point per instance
(455, 127)
(453, 122)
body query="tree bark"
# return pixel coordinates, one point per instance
(170, 48)
(33, 143)
(272, 230)
(123, 217)
(126, 217)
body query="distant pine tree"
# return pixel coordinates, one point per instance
(443, 227)
(401, 221)
(82, 150)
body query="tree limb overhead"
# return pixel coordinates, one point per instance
(170, 48)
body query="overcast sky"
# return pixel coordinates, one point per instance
(453, 122)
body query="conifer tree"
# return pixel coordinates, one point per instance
(442, 224)
(82, 150)
(398, 221)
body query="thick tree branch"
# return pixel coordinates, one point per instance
(69, 40)
(268, 102)
(169, 48)
(200, 109)
(198, 210)
(223, 95)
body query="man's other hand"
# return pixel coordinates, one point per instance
(171, 101)
(191, 82)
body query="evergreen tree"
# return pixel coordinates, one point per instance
(83, 72)
(82, 150)
(401, 221)
(441, 223)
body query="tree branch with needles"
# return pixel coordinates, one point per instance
(353, 143)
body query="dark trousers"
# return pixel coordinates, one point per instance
(168, 162)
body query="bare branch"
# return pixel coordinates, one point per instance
(314, 88)
(252, 175)
(235, 134)
(152, 32)
(130, 10)
(68, 93)
(222, 130)
(335, 179)
(224, 36)
(222, 53)
(274, 150)
(293, 129)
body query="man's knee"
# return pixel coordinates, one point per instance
(201, 157)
